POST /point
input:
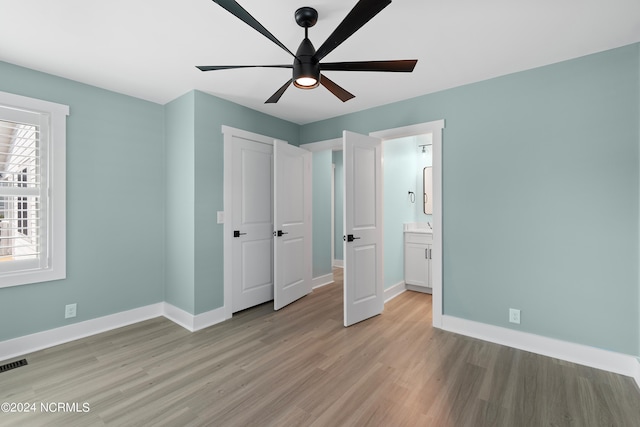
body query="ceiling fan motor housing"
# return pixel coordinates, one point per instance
(304, 65)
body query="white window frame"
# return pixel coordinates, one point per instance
(53, 117)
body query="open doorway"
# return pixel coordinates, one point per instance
(322, 252)
(435, 129)
(405, 160)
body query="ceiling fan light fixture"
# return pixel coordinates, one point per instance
(306, 70)
(306, 82)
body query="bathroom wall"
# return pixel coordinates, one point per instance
(321, 180)
(423, 160)
(400, 165)
(338, 206)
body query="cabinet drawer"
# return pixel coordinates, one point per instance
(420, 238)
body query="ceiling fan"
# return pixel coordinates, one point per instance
(307, 68)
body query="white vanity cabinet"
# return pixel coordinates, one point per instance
(417, 261)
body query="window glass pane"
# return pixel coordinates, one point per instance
(19, 178)
(19, 155)
(19, 228)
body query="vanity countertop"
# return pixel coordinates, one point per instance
(418, 227)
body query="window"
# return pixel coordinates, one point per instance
(32, 190)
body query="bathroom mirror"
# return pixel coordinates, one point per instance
(427, 196)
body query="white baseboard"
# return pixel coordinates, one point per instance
(422, 289)
(45, 339)
(338, 263)
(210, 318)
(189, 321)
(320, 281)
(393, 291)
(577, 353)
(29, 343)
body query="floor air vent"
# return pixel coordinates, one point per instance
(13, 365)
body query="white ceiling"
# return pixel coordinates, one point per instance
(149, 49)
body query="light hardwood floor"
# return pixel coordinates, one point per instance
(301, 367)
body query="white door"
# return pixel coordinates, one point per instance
(363, 263)
(292, 223)
(252, 242)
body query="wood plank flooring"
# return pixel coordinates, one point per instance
(301, 367)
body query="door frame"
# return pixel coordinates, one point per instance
(435, 128)
(230, 132)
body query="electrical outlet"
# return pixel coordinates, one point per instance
(220, 217)
(70, 310)
(514, 315)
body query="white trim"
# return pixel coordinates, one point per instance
(636, 376)
(228, 130)
(421, 289)
(32, 104)
(339, 263)
(178, 316)
(393, 291)
(29, 343)
(576, 353)
(41, 340)
(210, 318)
(435, 128)
(193, 323)
(320, 281)
(329, 144)
(411, 130)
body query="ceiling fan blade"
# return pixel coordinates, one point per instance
(400, 66)
(276, 96)
(233, 7)
(335, 89)
(228, 67)
(361, 13)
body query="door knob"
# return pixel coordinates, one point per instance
(350, 238)
(237, 233)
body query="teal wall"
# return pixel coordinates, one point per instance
(338, 205)
(400, 166)
(540, 195)
(321, 215)
(115, 207)
(180, 195)
(195, 152)
(541, 198)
